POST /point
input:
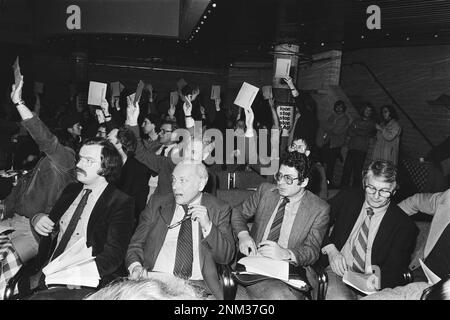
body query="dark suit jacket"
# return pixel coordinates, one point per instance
(309, 226)
(217, 247)
(394, 241)
(134, 182)
(108, 233)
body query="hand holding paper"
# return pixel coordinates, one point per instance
(271, 249)
(246, 95)
(97, 92)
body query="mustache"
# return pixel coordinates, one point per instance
(80, 170)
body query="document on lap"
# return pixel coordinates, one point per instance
(269, 267)
(75, 266)
(361, 282)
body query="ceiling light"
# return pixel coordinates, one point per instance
(214, 5)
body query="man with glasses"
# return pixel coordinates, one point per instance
(289, 225)
(92, 209)
(185, 232)
(371, 235)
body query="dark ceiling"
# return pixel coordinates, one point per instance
(240, 30)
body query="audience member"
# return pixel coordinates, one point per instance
(388, 136)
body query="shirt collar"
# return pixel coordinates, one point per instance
(376, 211)
(97, 189)
(297, 197)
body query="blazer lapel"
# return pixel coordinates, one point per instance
(270, 202)
(166, 210)
(301, 219)
(100, 209)
(64, 202)
(384, 231)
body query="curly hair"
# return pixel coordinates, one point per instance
(111, 161)
(300, 162)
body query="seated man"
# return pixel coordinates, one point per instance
(370, 234)
(185, 232)
(289, 224)
(93, 209)
(436, 253)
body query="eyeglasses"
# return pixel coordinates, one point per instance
(163, 131)
(279, 176)
(88, 162)
(382, 193)
(176, 224)
(299, 147)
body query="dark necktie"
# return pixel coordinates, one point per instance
(72, 225)
(274, 232)
(163, 151)
(184, 256)
(360, 245)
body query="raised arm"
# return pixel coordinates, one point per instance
(47, 141)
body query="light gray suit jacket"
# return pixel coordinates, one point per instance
(309, 226)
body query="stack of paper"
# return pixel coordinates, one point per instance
(282, 68)
(269, 267)
(17, 74)
(139, 89)
(366, 283)
(267, 92)
(116, 88)
(174, 98)
(75, 266)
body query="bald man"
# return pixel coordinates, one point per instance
(185, 232)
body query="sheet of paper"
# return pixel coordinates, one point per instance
(267, 92)
(97, 92)
(17, 74)
(116, 88)
(85, 274)
(215, 92)
(362, 282)
(71, 256)
(174, 96)
(282, 68)
(139, 89)
(181, 83)
(269, 267)
(431, 276)
(246, 95)
(38, 87)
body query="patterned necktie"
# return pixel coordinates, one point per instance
(274, 232)
(184, 256)
(72, 225)
(360, 245)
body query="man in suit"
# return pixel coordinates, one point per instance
(92, 209)
(134, 175)
(370, 233)
(289, 224)
(185, 232)
(436, 251)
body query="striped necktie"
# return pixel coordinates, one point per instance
(360, 245)
(184, 255)
(274, 232)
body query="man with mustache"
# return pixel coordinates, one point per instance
(92, 209)
(371, 235)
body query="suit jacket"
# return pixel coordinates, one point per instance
(108, 233)
(436, 204)
(217, 247)
(134, 182)
(393, 243)
(309, 226)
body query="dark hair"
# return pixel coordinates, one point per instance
(111, 161)
(174, 125)
(300, 162)
(154, 118)
(128, 140)
(341, 103)
(371, 107)
(392, 111)
(383, 169)
(438, 291)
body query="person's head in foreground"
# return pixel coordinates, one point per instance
(438, 291)
(380, 183)
(157, 287)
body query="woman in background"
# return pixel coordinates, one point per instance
(388, 136)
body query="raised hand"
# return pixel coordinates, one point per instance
(16, 93)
